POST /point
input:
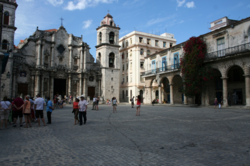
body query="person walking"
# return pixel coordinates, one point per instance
(114, 103)
(27, 111)
(97, 102)
(5, 106)
(76, 110)
(94, 103)
(49, 109)
(132, 101)
(39, 106)
(18, 112)
(138, 105)
(215, 102)
(83, 105)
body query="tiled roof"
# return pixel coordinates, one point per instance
(21, 41)
(51, 30)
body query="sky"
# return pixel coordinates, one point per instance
(183, 18)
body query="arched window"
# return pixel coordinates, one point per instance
(142, 51)
(99, 57)
(75, 61)
(111, 37)
(5, 45)
(100, 37)
(148, 52)
(6, 18)
(111, 59)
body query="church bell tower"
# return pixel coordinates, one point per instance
(107, 55)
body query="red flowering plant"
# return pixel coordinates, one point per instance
(195, 73)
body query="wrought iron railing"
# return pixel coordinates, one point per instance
(162, 69)
(228, 51)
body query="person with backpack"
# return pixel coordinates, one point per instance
(114, 103)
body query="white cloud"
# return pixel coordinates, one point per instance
(87, 24)
(190, 4)
(82, 4)
(180, 2)
(158, 20)
(55, 2)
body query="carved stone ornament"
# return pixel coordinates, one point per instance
(91, 78)
(60, 48)
(46, 52)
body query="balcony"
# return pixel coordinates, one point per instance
(161, 70)
(228, 51)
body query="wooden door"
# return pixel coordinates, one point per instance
(22, 89)
(91, 92)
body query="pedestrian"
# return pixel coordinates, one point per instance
(215, 102)
(27, 111)
(5, 106)
(76, 110)
(18, 112)
(39, 106)
(97, 102)
(54, 102)
(32, 114)
(83, 105)
(114, 103)
(132, 102)
(49, 109)
(94, 103)
(138, 105)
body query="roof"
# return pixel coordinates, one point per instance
(51, 30)
(108, 15)
(21, 41)
(16, 47)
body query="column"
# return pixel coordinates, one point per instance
(39, 55)
(185, 100)
(37, 85)
(42, 56)
(86, 86)
(85, 59)
(52, 55)
(225, 103)
(80, 85)
(69, 85)
(70, 58)
(99, 88)
(51, 87)
(32, 84)
(150, 95)
(14, 84)
(48, 88)
(81, 61)
(42, 86)
(247, 83)
(171, 93)
(160, 96)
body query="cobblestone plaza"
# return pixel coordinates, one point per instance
(160, 136)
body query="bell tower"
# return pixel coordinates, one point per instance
(107, 55)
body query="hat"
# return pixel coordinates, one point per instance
(82, 96)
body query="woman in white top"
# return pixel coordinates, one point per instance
(5, 106)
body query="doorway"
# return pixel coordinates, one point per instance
(22, 89)
(91, 92)
(60, 87)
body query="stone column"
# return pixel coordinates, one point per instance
(225, 103)
(52, 55)
(185, 100)
(51, 87)
(81, 61)
(70, 57)
(247, 83)
(42, 56)
(32, 85)
(160, 96)
(80, 85)
(42, 86)
(38, 55)
(85, 59)
(69, 85)
(85, 86)
(99, 94)
(149, 89)
(37, 84)
(48, 88)
(171, 93)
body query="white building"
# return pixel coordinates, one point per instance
(135, 46)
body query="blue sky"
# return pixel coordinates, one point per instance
(183, 18)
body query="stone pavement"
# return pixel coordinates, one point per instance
(161, 136)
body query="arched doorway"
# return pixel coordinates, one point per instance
(166, 90)
(236, 86)
(178, 96)
(215, 87)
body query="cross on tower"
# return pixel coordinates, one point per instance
(61, 21)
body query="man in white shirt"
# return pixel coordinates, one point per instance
(82, 109)
(39, 105)
(94, 103)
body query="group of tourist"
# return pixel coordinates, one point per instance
(32, 110)
(80, 107)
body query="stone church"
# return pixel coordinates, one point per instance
(52, 62)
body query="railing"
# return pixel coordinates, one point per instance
(162, 69)
(228, 51)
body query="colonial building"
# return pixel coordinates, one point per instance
(228, 50)
(135, 46)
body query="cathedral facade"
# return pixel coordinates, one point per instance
(52, 62)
